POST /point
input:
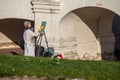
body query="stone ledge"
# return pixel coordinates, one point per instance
(8, 45)
(47, 1)
(48, 6)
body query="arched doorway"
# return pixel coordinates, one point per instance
(11, 31)
(90, 30)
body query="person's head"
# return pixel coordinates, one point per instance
(27, 24)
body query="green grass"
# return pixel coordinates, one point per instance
(36, 66)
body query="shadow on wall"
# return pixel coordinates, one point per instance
(116, 31)
(12, 29)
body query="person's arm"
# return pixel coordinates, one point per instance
(34, 34)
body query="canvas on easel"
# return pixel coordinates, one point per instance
(43, 25)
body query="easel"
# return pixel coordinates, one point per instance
(42, 34)
(40, 38)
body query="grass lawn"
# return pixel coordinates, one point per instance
(40, 67)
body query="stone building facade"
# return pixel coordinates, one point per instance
(79, 29)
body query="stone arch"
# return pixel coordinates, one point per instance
(69, 6)
(78, 7)
(11, 32)
(89, 31)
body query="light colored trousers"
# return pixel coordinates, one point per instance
(29, 50)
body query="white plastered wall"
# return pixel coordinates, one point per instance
(21, 9)
(78, 38)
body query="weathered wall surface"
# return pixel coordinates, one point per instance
(80, 29)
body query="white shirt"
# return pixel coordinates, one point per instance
(28, 37)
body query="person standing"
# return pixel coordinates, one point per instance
(29, 39)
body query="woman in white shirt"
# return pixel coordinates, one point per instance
(29, 39)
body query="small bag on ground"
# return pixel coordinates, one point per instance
(39, 50)
(49, 52)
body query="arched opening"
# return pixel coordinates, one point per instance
(11, 32)
(91, 28)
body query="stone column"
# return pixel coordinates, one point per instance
(48, 10)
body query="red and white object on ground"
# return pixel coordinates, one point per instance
(60, 56)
